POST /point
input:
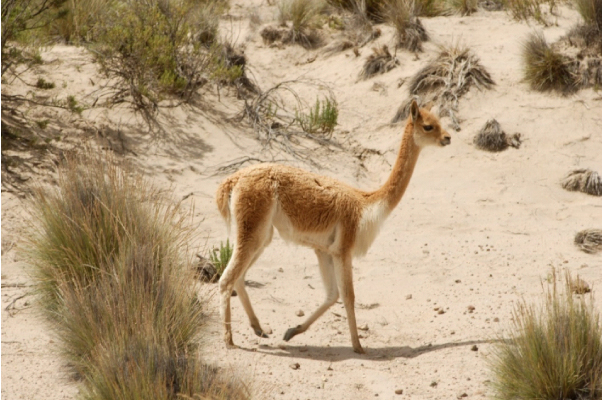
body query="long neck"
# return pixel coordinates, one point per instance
(394, 188)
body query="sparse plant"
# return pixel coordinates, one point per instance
(545, 69)
(44, 84)
(379, 62)
(463, 7)
(220, 257)
(583, 180)
(304, 18)
(73, 105)
(114, 281)
(403, 15)
(322, 117)
(42, 124)
(553, 352)
(523, 10)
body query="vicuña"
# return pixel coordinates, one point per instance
(336, 220)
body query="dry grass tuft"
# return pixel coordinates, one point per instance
(591, 12)
(578, 285)
(114, 280)
(409, 32)
(463, 7)
(379, 62)
(553, 352)
(445, 80)
(546, 69)
(492, 138)
(583, 180)
(303, 16)
(589, 240)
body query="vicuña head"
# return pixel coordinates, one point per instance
(335, 219)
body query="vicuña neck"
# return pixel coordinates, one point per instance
(394, 188)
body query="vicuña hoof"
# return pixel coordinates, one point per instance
(292, 332)
(261, 333)
(359, 350)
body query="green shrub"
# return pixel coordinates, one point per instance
(322, 117)
(156, 48)
(73, 105)
(544, 68)
(107, 253)
(44, 84)
(554, 352)
(220, 257)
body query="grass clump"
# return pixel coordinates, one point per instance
(304, 18)
(108, 254)
(322, 117)
(589, 240)
(220, 257)
(44, 84)
(583, 180)
(492, 138)
(544, 68)
(591, 12)
(379, 62)
(554, 351)
(403, 15)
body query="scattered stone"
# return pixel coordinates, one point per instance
(363, 327)
(441, 311)
(474, 347)
(299, 313)
(329, 368)
(452, 333)
(463, 395)
(434, 384)
(295, 366)
(496, 319)
(399, 391)
(409, 297)
(471, 309)
(458, 281)
(280, 269)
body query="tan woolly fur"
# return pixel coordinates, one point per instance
(335, 219)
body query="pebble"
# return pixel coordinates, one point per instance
(299, 313)
(363, 327)
(474, 347)
(434, 384)
(399, 391)
(295, 366)
(409, 297)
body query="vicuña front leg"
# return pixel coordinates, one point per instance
(344, 275)
(332, 294)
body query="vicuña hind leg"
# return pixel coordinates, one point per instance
(332, 294)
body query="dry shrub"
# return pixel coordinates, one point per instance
(492, 138)
(527, 9)
(591, 12)
(578, 285)
(463, 7)
(553, 352)
(403, 15)
(379, 62)
(589, 240)
(446, 79)
(583, 180)
(108, 253)
(546, 69)
(304, 18)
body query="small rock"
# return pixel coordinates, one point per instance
(409, 297)
(458, 281)
(399, 391)
(280, 269)
(471, 309)
(496, 319)
(441, 311)
(363, 327)
(299, 313)
(434, 384)
(282, 347)
(295, 366)
(303, 349)
(452, 333)
(462, 395)
(329, 368)
(474, 347)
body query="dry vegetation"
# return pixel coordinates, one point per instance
(403, 15)
(583, 180)
(492, 138)
(379, 62)
(444, 80)
(553, 352)
(589, 240)
(109, 256)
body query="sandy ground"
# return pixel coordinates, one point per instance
(474, 228)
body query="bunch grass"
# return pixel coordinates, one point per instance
(553, 352)
(220, 257)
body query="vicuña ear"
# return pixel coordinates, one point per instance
(414, 111)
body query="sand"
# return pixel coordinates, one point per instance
(474, 229)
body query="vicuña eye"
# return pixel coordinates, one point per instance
(428, 127)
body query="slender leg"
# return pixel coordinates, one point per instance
(344, 275)
(332, 294)
(246, 302)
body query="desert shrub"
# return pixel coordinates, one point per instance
(380, 61)
(553, 352)
(583, 180)
(220, 257)
(79, 20)
(463, 7)
(591, 12)
(108, 254)
(403, 15)
(445, 80)
(546, 69)
(492, 138)
(22, 25)
(156, 48)
(589, 240)
(322, 117)
(304, 18)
